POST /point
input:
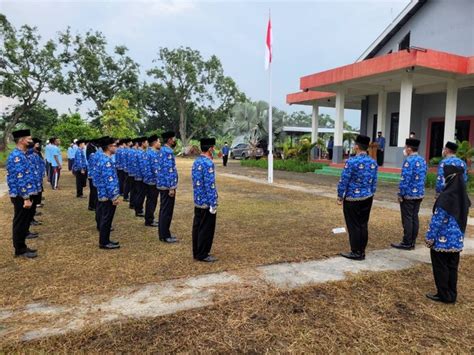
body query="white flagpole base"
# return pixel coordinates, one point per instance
(270, 168)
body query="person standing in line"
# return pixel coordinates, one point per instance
(106, 181)
(149, 178)
(355, 192)
(71, 154)
(22, 188)
(132, 170)
(449, 158)
(125, 163)
(205, 202)
(380, 149)
(91, 155)
(140, 186)
(39, 172)
(411, 193)
(445, 236)
(48, 157)
(79, 168)
(56, 163)
(225, 153)
(167, 184)
(330, 147)
(119, 164)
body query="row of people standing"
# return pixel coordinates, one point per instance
(445, 235)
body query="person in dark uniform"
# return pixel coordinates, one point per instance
(205, 202)
(22, 187)
(39, 171)
(445, 236)
(79, 168)
(330, 147)
(411, 193)
(380, 148)
(167, 184)
(150, 178)
(141, 166)
(225, 153)
(132, 170)
(355, 192)
(125, 163)
(91, 151)
(119, 164)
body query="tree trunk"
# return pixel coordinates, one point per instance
(8, 130)
(182, 127)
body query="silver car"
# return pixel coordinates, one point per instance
(245, 151)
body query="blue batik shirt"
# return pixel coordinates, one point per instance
(150, 175)
(106, 179)
(204, 183)
(119, 158)
(80, 161)
(453, 160)
(37, 166)
(93, 164)
(132, 162)
(412, 179)
(358, 179)
(140, 165)
(20, 175)
(444, 232)
(167, 173)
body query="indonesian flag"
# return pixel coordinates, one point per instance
(268, 45)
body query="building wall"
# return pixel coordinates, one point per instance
(444, 25)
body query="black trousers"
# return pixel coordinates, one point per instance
(121, 179)
(48, 170)
(81, 182)
(105, 215)
(357, 215)
(126, 185)
(380, 157)
(204, 226)
(330, 150)
(92, 195)
(133, 192)
(21, 224)
(36, 199)
(70, 163)
(140, 194)
(411, 224)
(55, 175)
(151, 201)
(445, 272)
(225, 158)
(166, 214)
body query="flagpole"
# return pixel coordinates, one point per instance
(270, 118)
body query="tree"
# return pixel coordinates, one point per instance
(197, 84)
(28, 69)
(73, 126)
(41, 119)
(95, 74)
(118, 119)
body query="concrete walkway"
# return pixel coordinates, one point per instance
(42, 320)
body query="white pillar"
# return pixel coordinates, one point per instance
(406, 92)
(381, 111)
(450, 115)
(339, 126)
(315, 124)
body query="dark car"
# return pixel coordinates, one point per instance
(245, 151)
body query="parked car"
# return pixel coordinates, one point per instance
(245, 151)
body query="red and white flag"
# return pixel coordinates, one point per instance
(268, 45)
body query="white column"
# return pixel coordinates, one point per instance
(381, 111)
(339, 123)
(315, 124)
(450, 115)
(406, 92)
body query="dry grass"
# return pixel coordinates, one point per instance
(382, 312)
(256, 225)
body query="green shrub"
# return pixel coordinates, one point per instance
(286, 165)
(430, 180)
(435, 161)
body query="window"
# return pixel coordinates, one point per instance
(394, 119)
(404, 43)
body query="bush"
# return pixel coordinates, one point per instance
(430, 180)
(435, 161)
(286, 165)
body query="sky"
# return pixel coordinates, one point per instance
(308, 36)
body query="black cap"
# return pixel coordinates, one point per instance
(362, 140)
(208, 142)
(106, 141)
(36, 140)
(152, 138)
(143, 139)
(452, 146)
(168, 135)
(21, 133)
(412, 142)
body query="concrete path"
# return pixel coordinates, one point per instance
(42, 320)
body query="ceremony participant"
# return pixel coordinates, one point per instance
(380, 148)
(150, 178)
(355, 192)
(141, 166)
(106, 180)
(132, 170)
(48, 157)
(125, 162)
(330, 147)
(167, 184)
(22, 188)
(71, 154)
(205, 202)
(445, 236)
(56, 163)
(449, 158)
(91, 157)
(79, 168)
(225, 153)
(411, 193)
(119, 163)
(39, 172)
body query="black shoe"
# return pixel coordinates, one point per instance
(209, 259)
(29, 254)
(139, 214)
(169, 240)
(403, 246)
(32, 235)
(109, 246)
(81, 196)
(432, 297)
(38, 213)
(35, 223)
(114, 242)
(152, 224)
(353, 256)
(91, 209)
